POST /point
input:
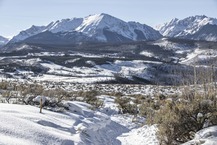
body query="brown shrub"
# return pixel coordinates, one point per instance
(178, 121)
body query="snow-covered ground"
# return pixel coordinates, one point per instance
(169, 45)
(157, 65)
(191, 56)
(145, 135)
(206, 136)
(82, 74)
(24, 125)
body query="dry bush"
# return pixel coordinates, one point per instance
(148, 107)
(4, 85)
(116, 94)
(126, 105)
(90, 97)
(179, 120)
(7, 96)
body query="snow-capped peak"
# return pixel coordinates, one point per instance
(184, 27)
(93, 21)
(96, 24)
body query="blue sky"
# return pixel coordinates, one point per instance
(17, 15)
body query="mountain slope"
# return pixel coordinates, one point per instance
(188, 28)
(59, 38)
(100, 27)
(3, 41)
(207, 32)
(55, 27)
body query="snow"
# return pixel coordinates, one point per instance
(24, 72)
(31, 61)
(76, 71)
(72, 60)
(109, 108)
(111, 55)
(77, 79)
(65, 25)
(89, 25)
(169, 45)
(146, 53)
(145, 135)
(24, 47)
(193, 55)
(198, 55)
(24, 125)
(127, 68)
(206, 136)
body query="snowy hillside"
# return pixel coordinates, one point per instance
(186, 28)
(3, 41)
(24, 125)
(102, 27)
(154, 62)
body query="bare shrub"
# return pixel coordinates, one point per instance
(126, 105)
(90, 97)
(179, 120)
(4, 85)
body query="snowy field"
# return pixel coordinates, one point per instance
(24, 125)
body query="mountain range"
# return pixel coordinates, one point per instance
(195, 28)
(106, 28)
(98, 27)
